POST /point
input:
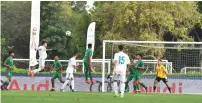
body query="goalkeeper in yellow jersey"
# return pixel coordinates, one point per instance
(161, 74)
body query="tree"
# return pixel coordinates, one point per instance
(15, 28)
(146, 21)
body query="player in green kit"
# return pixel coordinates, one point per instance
(138, 67)
(130, 75)
(88, 64)
(9, 66)
(58, 74)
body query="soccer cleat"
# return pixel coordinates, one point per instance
(116, 95)
(74, 90)
(52, 90)
(122, 96)
(134, 92)
(92, 81)
(32, 74)
(62, 90)
(87, 82)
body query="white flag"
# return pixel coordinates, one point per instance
(34, 32)
(91, 35)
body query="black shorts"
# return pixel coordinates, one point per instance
(163, 79)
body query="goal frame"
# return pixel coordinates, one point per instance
(125, 41)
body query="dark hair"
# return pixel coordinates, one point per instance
(89, 45)
(43, 42)
(140, 55)
(75, 53)
(120, 47)
(10, 52)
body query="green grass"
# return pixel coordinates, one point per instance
(88, 97)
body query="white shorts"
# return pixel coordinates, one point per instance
(41, 62)
(119, 77)
(69, 76)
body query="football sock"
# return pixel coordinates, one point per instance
(143, 85)
(115, 87)
(154, 88)
(90, 75)
(122, 86)
(65, 83)
(86, 75)
(72, 84)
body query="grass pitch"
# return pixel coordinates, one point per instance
(88, 97)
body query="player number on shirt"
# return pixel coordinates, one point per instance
(121, 59)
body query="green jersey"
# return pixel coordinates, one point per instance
(57, 64)
(132, 70)
(9, 61)
(139, 63)
(88, 53)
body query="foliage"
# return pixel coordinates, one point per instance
(146, 21)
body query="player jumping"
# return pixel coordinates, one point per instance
(161, 74)
(58, 74)
(69, 72)
(139, 65)
(42, 56)
(88, 64)
(121, 60)
(9, 66)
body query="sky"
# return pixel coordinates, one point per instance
(90, 3)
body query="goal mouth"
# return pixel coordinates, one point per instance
(175, 55)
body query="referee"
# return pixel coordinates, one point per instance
(161, 74)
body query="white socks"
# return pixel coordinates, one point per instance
(36, 70)
(72, 84)
(122, 86)
(65, 83)
(115, 88)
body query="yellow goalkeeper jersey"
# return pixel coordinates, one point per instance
(161, 71)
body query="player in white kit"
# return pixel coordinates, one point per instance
(121, 60)
(42, 56)
(69, 72)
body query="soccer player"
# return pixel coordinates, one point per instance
(58, 74)
(139, 66)
(69, 72)
(9, 66)
(121, 60)
(161, 74)
(130, 75)
(88, 64)
(42, 56)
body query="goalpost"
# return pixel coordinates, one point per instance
(175, 55)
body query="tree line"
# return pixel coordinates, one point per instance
(123, 20)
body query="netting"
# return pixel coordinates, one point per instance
(181, 59)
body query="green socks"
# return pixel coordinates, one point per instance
(143, 85)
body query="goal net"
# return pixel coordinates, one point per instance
(183, 60)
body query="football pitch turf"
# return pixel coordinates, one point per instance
(88, 97)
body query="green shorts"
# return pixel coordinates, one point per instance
(9, 74)
(57, 75)
(86, 65)
(130, 77)
(137, 77)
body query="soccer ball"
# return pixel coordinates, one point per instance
(68, 33)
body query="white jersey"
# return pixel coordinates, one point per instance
(71, 64)
(122, 62)
(42, 52)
